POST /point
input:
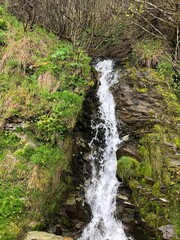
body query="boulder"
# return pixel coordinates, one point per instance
(37, 235)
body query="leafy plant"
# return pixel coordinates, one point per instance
(66, 106)
(62, 52)
(1, 10)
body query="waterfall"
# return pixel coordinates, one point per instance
(101, 191)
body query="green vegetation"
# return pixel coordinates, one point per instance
(43, 83)
(44, 155)
(148, 52)
(127, 167)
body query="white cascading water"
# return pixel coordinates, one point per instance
(102, 190)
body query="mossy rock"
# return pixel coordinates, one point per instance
(127, 168)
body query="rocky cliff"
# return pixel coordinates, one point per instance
(149, 159)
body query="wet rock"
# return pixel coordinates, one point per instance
(36, 235)
(128, 219)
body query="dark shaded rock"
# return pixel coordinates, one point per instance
(127, 218)
(128, 150)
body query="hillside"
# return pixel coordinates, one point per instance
(43, 83)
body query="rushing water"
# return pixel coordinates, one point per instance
(102, 190)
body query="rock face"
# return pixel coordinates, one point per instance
(36, 235)
(147, 112)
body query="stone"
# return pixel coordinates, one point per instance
(127, 218)
(125, 138)
(122, 197)
(128, 150)
(167, 231)
(164, 200)
(149, 180)
(37, 235)
(129, 205)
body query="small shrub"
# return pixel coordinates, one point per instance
(156, 189)
(11, 207)
(25, 153)
(48, 126)
(44, 154)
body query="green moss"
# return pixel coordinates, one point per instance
(127, 167)
(156, 189)
(141, 90)
(146, 169)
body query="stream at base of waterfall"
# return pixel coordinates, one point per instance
(101, 190)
